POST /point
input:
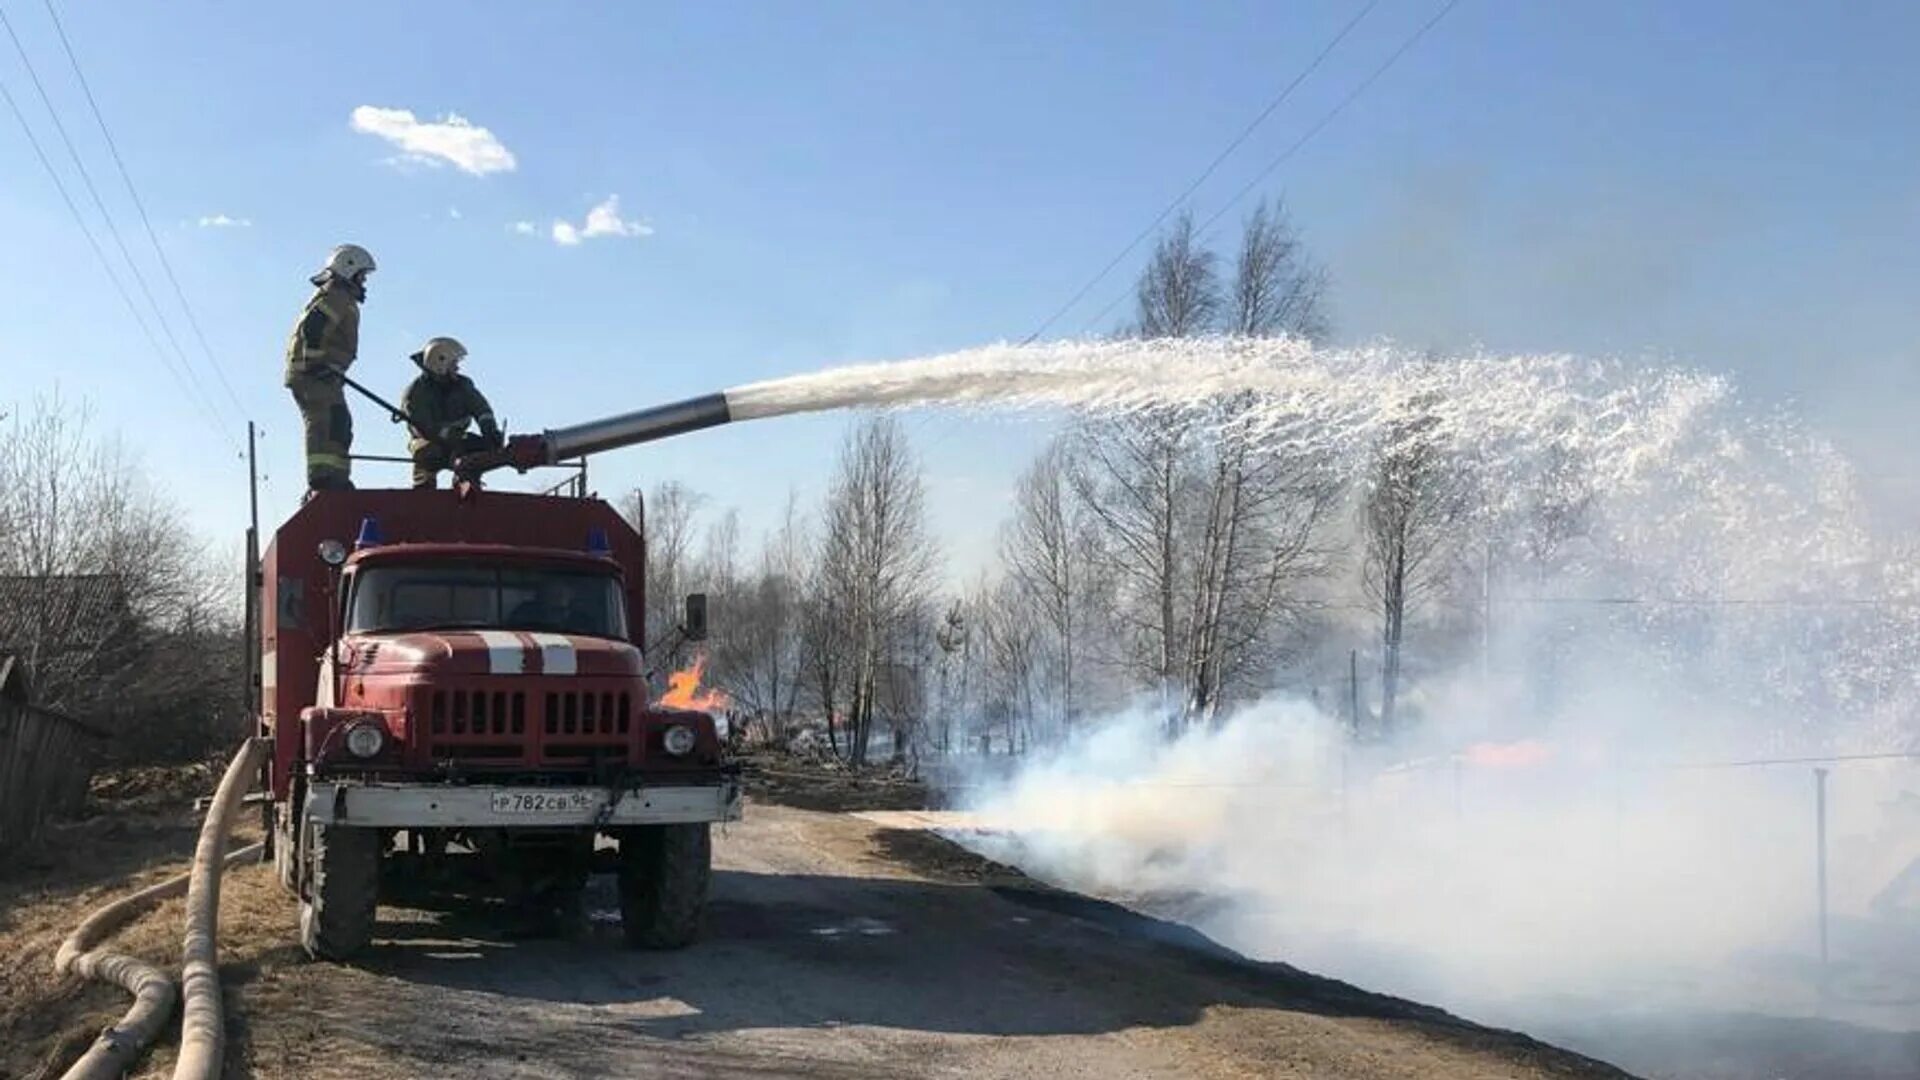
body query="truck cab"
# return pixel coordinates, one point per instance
(461, 675)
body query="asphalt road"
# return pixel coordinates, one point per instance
(835, 947)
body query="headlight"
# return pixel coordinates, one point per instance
(365, 740)
(679, 740)
(333, 552)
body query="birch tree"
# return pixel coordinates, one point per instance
(665, 520)
(1414, 500)
(876, 556)
(1044, 548)
(768, 670)
(1259, 509)
(1277, 287)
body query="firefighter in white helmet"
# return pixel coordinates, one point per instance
(439, 404)
(325, 340)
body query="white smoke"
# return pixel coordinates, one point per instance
(1552, 883)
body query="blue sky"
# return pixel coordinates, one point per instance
(1730, 185)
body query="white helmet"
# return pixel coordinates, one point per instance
(441, 356)
(348, 262)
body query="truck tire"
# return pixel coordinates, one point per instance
(664, 871)
(343, 887)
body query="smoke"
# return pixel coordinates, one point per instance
(1574, 883)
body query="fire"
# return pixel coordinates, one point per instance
(1507, 755)
(683, 690)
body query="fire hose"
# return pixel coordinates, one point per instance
(119, 1046)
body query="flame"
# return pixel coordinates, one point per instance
(1507, 755)
(683, 690)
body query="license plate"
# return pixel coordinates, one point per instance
(546, 802)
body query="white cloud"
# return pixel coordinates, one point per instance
(452, 139)
(454, 213)
(222, 221)
(602, 220)
(524, 228)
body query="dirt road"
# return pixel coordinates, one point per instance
(835, 948)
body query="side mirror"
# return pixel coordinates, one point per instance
(694, 625)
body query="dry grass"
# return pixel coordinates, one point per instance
(140, 830)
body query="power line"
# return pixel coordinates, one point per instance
(113, 230)
(166, 264)
(106, 264)
(1287, 154)
(1332, 114)
(1275, 103)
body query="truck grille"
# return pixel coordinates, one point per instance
(588, 713)
(478, 712)
(506, 726)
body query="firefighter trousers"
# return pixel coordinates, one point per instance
(430, 458)
(329, 430)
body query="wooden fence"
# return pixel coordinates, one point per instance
(45, 762)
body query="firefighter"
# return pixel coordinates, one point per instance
(440, 403)
(323, 345)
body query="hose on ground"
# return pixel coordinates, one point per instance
(202, 1027)
(119, 1046)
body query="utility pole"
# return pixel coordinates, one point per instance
(251, 592)
(255, 699)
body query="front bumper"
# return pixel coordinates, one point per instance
(426, 806)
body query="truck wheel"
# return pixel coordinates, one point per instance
(336, 916)
(664, 871)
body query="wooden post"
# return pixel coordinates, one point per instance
(1486, 619)
(1820, 855)
(1353, 689)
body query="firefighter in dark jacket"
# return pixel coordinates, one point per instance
(323, 345)
(440, 403)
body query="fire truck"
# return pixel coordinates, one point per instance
(461, 674)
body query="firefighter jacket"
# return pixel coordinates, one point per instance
(327, 334)
(442, 408)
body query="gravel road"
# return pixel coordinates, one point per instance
(836, 947)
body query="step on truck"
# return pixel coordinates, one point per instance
(459, 674)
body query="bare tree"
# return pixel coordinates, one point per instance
(1204, 527)
(1179, 291)
(106, 597)
(876, 555)
(1130, 475)
(1258, 510)
(1045, 550)
(1011, 631)
(665, 520)
(826, 645)
(1415, 497)
(766, 673)
(1257, 537)
(1277, 288)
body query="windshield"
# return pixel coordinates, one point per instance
(487, 597)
